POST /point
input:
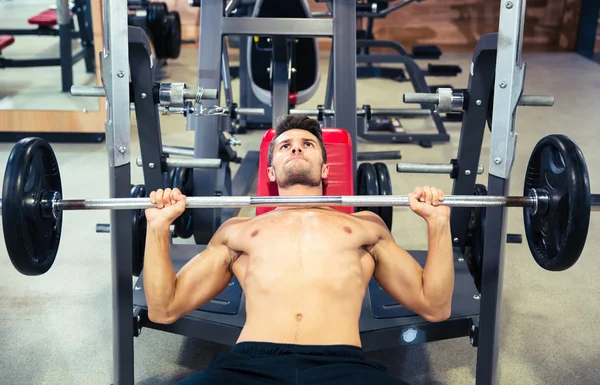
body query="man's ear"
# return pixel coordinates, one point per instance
(324, 171)
(271, 173)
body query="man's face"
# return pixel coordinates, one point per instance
(297, 160)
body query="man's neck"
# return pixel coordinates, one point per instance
(298, 190)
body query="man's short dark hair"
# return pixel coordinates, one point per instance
(302, 122)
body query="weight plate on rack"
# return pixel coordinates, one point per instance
(184, 181)
(173, 34)
(138, 231)
(557, 232)
(367, 185)
(385, 188)
(158, 26)
(475, 239)
(31, 229)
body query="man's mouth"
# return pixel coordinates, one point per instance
(294, 158)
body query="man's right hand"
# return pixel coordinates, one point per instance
(425, 202)
(170, 204)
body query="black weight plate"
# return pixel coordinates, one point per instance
(367, 184)
(475, 239)
(157, 11)
(157, 23)
(184, 181)
(173, 34)
(223, 188)
(31, 232)
(385, 188)
(138, 231)
(557, 233)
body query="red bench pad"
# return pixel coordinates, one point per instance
(340, 179)
(5, 41)
(48, 18)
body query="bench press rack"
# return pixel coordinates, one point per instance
(381, 326)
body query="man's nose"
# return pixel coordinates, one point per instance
(296, 148)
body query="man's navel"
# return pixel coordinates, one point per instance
(298, 317)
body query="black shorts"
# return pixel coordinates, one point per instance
(271, 363)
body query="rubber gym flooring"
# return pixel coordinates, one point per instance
(56, 328)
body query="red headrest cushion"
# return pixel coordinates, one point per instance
(340, 179)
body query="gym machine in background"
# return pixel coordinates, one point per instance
(162, 26)
(46, 22)
(259, 55)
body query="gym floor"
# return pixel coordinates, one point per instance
(56, 328)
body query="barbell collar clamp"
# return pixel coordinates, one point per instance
(187, 163)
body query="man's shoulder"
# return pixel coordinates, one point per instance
(233, 221)
(367, 216)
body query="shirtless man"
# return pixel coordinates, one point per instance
(304, 272)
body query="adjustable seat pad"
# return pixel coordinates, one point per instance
(305, 59)
(339, 158)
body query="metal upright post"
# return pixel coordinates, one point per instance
(508, 87)
(63, 14)
(481, 82)
(206, 135)
(115, 77)
(280, 78)
(344, 74)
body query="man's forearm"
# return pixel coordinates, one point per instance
(438, 275)
(159, 277)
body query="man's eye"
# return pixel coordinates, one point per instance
(309, 144)
(284, 146)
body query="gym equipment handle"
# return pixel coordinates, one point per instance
(378, 155)
(188, 163)
(93, 91)
(406, 112)
(429, 168)
(174, 150)
(97, 91)
(525, 100)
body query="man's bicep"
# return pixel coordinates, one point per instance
(201, 279)
(399, 274)
(207, 274)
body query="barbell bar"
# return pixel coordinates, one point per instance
(535, 201)
(53, 203)
(557, 203)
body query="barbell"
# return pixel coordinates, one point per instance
(556, 204)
